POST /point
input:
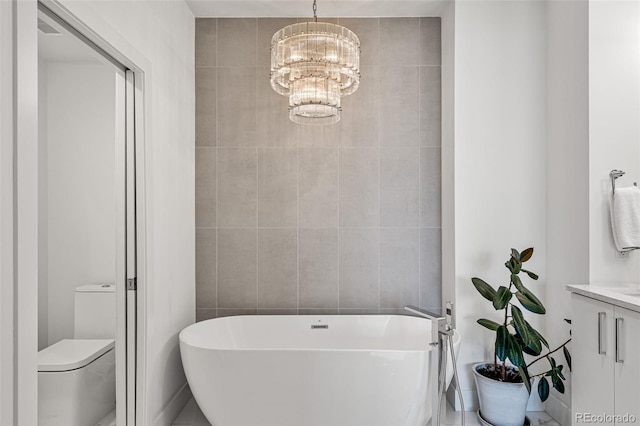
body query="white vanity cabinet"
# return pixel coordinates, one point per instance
(606, 362)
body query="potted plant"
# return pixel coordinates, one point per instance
(504, 385)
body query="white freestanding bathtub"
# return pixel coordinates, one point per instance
(311, 370)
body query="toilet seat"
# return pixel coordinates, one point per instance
(72, 354)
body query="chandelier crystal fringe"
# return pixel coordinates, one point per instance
(315, 64)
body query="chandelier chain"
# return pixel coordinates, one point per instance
(315, 11)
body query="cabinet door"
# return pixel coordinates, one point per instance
(593, 354)
(627, 363)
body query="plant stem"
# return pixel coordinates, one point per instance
(504, 363)
(538, 375)
(548, 353)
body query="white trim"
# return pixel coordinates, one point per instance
(130, 245)
(7, 277)
(174, 407)
(470, 399)
(143, 221)
(126, 54)
(26, 220)
(121, 265)
(559, 410)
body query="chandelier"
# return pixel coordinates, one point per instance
(315, 64)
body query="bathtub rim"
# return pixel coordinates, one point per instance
(429, 348)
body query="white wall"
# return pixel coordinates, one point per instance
(614, 128)
(500, 156)
(159, 37)
(577, 122)
(79, 173)
(567, 170)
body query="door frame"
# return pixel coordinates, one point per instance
(18, 292)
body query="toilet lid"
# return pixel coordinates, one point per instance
(71, 354)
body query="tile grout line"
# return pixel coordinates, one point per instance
(255, 102)
(216, 233)
(297, 229)
(339, 148)
(257, 258)
(216, 183)
(420, 174)
(319, 227)
(379, 157)
(378, 227)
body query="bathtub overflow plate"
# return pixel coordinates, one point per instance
(319, 326)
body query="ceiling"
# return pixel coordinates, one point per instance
(326, 8)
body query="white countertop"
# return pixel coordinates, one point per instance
(624, 296)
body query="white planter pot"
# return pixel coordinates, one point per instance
(501, 404)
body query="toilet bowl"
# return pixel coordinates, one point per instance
(76, 382)
(76, 377)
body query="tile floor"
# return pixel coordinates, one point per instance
(192, 416)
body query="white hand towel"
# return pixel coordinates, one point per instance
(625, 218)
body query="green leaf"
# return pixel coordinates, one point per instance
(536, 343)
(532, 275)
(533, 298)
(509, 265)
(515, 254)
(515, 266)
(559, 372)
(535, 348)
(558, 384)
(526, 349)
(502, 342)
(502, 298)
(543, 389)
(491, 325)
(567, 356)
(542, 339)
(515, 280)
(530, 302)
(552, 362)
(484, 289)
(524, 374)
(520, 325)
(515, 352)
(526, 254)
(530, 351)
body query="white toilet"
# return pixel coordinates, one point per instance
(76, 377)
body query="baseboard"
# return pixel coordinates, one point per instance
(173, 407)
(470, 398)
(559, 410)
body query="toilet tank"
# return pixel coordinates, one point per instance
(95, 311)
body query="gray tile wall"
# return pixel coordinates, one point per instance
(294, 219)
